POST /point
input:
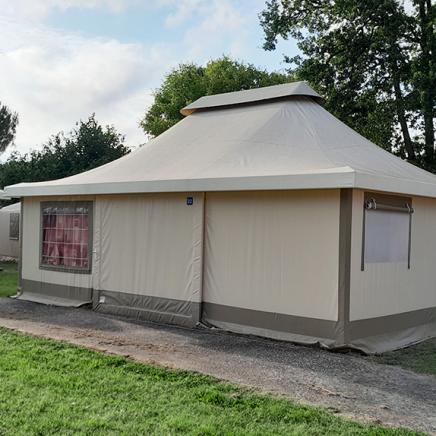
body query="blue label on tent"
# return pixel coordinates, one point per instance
(189, 201)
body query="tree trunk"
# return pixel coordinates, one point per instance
(401, 114)
(428, 67)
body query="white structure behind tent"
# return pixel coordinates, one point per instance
(10, 231)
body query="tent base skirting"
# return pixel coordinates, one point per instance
(50, 300)
(391, 324)
(54, 294)
(274, 334)
(148, 308)
(373, 335)
(268, 323)
(390, 332)
(394, 340)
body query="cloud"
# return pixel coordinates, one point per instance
(40, 9)
(223, 24)
(210, 25)
(52, 79)
(184, 10)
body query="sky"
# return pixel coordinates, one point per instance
(62, 60)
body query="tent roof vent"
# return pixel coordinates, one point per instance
(252, 96)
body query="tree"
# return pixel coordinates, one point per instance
(424, 67)
(87, 146)
(8, 125)
(374, 63)
(188, 82)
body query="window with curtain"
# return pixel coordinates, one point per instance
(66, 236)
(14, 226)
(387, 231)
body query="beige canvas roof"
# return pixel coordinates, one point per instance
(271, 138)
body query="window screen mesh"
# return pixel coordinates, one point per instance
(66, 236)
(386, 236)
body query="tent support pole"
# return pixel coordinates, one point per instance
(345, 217)
(20, 255)
(203, 263)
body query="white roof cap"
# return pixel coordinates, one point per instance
(251, 96)
(16, 207)
(3, 195)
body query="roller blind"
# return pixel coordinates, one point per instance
(386, 237)
(387, 233)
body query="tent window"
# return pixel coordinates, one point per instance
(387, 233)
(14, 226)
(66, 236)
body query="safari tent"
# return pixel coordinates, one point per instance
(258, 213)
(10, 231)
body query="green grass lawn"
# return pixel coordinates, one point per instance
(49, 387)
(420, 358)
(8, 278)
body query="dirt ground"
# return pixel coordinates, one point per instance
(348, 384)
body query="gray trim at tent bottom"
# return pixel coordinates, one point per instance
(374, 335)
(149, 308)
(53, 294)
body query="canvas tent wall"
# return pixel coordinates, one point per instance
(10, 231)
(252, 215)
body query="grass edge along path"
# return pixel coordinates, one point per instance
(50, 387)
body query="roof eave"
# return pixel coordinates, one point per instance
(322, 180)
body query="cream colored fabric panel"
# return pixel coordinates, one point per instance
(31, 247)
(151, 245)
(274, 251)
(8, 247)
(390, 288)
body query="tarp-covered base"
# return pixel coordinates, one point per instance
(394, 340)
(308, 331)
(391, 332)
(51, 300)
(148, 308)
(54, 294)
(274, 334)
(370, 336)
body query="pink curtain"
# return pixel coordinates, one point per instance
(65, 240)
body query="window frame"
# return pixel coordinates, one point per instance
(400, 204)
(64, 268)
(14, 216)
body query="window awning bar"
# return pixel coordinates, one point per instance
(372, 204)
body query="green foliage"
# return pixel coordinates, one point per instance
(8, 126)
(188, 82)
(8, 278)
(374, 63)
(87, 146)
(50, 387)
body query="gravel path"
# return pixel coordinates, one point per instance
(346, 383)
